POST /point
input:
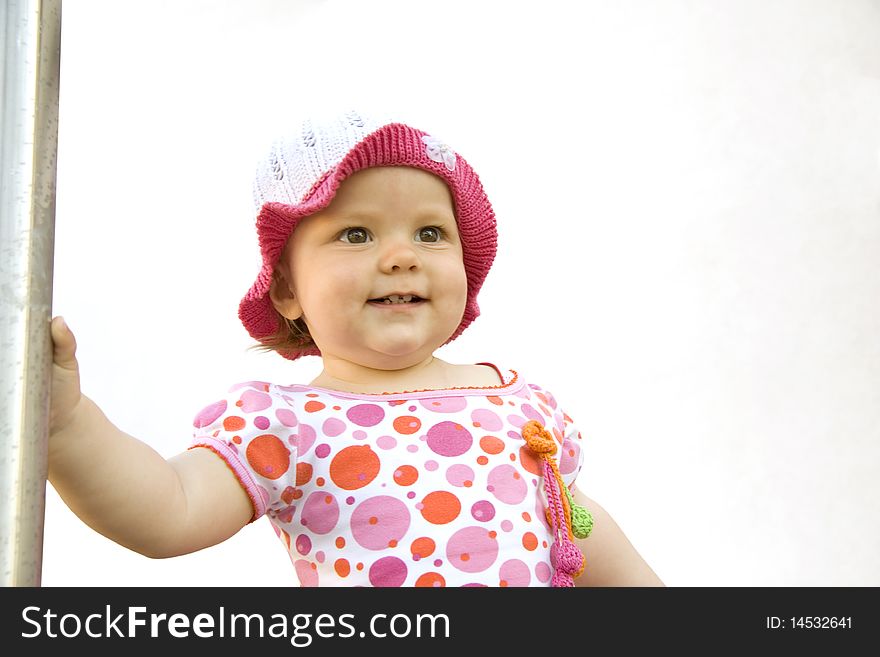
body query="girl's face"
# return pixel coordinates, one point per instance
(377, 275)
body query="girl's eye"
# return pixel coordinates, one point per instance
(429, 234)
(354, 236)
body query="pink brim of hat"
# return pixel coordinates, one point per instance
(395, 144)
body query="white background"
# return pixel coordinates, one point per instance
(688, 196)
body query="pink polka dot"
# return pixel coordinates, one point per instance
(445, 404)
(386, 442)
(514, 573)
(377, 521)
(507, 484)
(412, 448)
(253, 400)
(516, 421)
(472, 549)
(333, 426)
(449, 439)
(286, 417)
(483, 511)
(570, 455)
(308, 576)
(322, 451)
(432, 465)
(365, 415)
(486, 420)
(320, 512)
(529, 411)
(304, 438)
(388, 571)
(460, 475)
(359, 435)
(209, 414)
(261, 422)
(543, 572)
(303, 544)
(319, 556)
(506, 525)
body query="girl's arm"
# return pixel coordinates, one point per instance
(124, 489)
(611, 558)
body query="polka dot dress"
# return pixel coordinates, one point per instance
(429, 488)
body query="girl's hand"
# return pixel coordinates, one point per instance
(65, 394)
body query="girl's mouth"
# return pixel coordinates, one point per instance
(396, 299)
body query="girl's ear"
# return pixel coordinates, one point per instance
(283, 298)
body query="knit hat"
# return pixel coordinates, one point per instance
(302, 172)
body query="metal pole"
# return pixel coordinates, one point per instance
(31, 49)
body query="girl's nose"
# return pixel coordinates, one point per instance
(399, 255)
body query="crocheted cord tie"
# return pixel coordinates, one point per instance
(538, 438)
(568, 561)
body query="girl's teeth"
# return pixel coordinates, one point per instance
(399, 299)
(396, 298)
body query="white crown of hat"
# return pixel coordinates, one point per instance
(296, 162)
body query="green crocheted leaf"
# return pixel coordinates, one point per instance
(581, 521)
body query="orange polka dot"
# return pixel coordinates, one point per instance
(503, 583)
(465, 556)
(544, 544)
(529, 541)
(320, 481)
(407, 424)
(422, 547)
(482, 460)
(354, 467)
(311, 394)
(236, 440)
(513, 457)
(526, 516)
(312, 406)
(373, 520)
(467, 483)
(360, 566)
(431, 580)
(495, 400)
(303, 473)
(234, 423)
(286, 538)
(268, 456)
(406, 475)
(297, 494)
(287, 495)
(440, 507)
(337, 408)
(340, 542)
(493, 534)
(342, 567)
(530, 461)
(491, 445)
(392, 543)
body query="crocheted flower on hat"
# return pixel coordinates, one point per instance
(439, 152)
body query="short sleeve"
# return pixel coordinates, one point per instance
(250, 429)
(567, 435)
